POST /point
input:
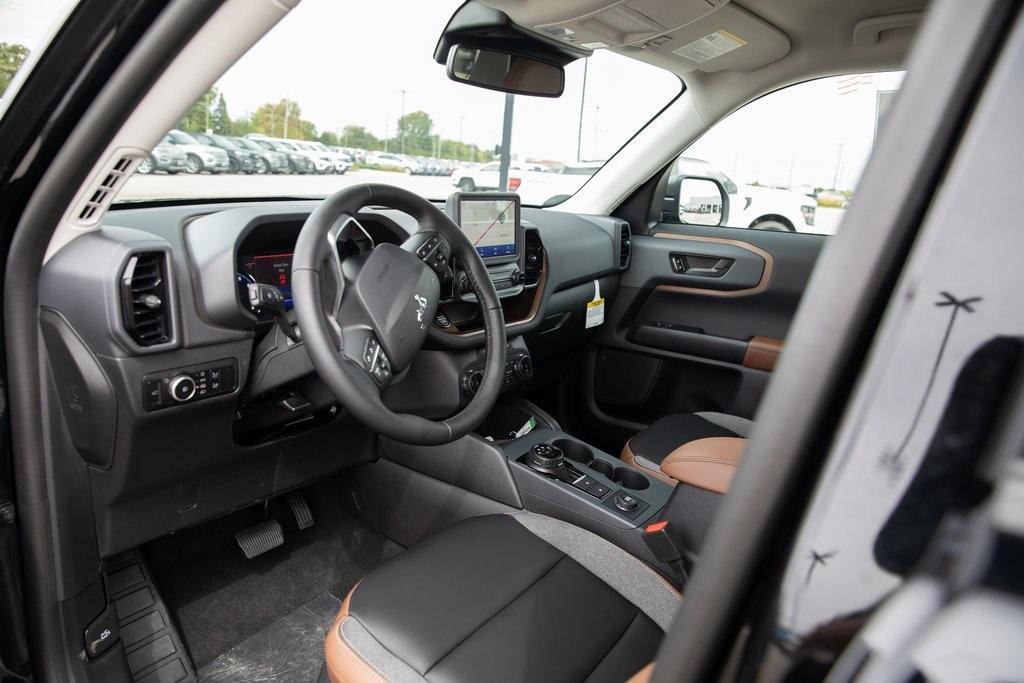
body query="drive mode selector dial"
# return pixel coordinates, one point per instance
(544, 457)
(182, 388)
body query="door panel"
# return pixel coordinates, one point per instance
(699, 320)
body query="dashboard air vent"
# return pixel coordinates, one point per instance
(100, 197)
(625, 234)
(144, 301)
(534, 258)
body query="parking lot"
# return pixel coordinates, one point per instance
(157, 187)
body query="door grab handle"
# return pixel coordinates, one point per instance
(699, 266)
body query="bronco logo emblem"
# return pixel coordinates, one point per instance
(421, 307)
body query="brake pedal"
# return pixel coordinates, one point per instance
(260, 538)
(300, 508)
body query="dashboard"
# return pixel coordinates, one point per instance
(185, 403)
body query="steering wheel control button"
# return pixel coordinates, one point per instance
(182, 388)
(187, 385)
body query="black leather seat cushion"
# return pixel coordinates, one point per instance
(670, 432)
(487, 599)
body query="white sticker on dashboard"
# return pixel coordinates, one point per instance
(595, 308)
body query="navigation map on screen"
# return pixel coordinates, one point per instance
(490, 224)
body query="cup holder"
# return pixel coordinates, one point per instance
(605, 468)
(631, 479)
(574, 450)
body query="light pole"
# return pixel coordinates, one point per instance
(583, 97)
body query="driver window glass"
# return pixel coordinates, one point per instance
(789, 161)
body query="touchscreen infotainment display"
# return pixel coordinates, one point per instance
(272, 269)
(490, 224)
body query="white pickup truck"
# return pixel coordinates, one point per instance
(754, 206)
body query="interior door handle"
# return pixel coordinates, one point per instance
(700, 266)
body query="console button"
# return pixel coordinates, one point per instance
(598, 490)
(585, 483)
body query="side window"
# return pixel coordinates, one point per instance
(789, 161)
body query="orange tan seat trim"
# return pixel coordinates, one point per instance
(343, 664)
(706, 463)
(629, 458)
(643, 675)
(762, 353)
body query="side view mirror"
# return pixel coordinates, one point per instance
(695, 200)
(505, 71)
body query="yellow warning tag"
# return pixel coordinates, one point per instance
(595, 308)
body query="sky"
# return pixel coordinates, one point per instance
(26, 22)
(348, 63)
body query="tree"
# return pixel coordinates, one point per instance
(12, 56)
(199, 118)
(360, 138)
(414, 133)
(282, 119)
(220, 120)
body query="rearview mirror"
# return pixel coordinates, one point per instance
(504, 71)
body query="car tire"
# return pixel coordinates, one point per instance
(234, 166)
(260, 166)
(146, 166)
(193, 164)
(467, 185)
(773, 224)
(406, 170)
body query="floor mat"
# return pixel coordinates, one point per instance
(220, 599)
(290, 649)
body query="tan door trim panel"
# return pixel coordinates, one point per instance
(762, 284)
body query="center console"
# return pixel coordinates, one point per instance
(555, 468)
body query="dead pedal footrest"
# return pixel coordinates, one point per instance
(260, 538)
(300, 508)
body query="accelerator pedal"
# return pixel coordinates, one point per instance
(300, 508)
(260, 538)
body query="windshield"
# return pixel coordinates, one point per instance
(374, 93)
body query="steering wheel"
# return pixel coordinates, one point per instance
(364, 310)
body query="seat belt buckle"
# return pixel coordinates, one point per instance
(666, 546)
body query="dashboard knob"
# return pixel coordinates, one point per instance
(182, 388)
(517, 277)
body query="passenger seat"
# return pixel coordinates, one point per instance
(699, 449)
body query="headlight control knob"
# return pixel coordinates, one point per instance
(182, 388)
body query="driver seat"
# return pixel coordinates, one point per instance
(508, 597)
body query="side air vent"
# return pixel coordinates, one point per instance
(534, 258)
(144, 302)
(625, 234)
(103, 194)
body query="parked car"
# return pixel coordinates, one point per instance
(486, 176)
(323, 162)
(299, 161)
(239, 160)
(339, 162)
(165, 157)
(199, 158)
(402, 163)
(267, 160)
